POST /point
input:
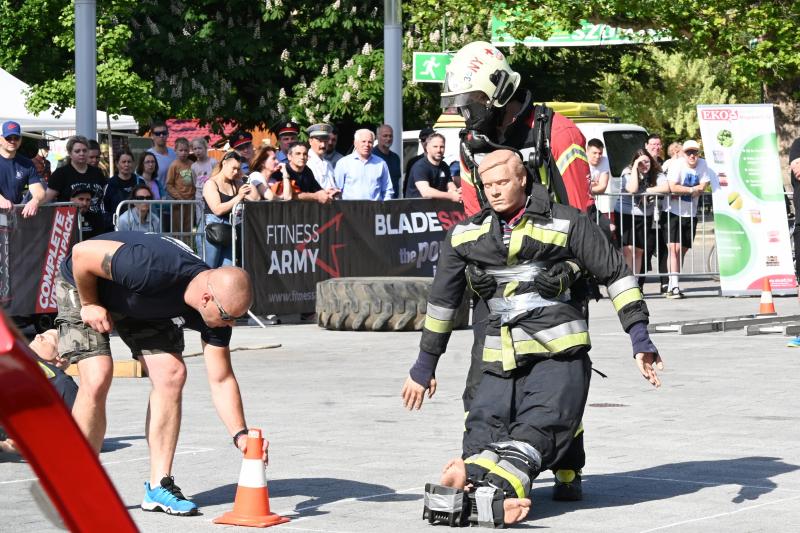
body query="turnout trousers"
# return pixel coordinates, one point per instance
(575, 456)
(541, 404)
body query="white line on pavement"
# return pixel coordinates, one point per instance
(345, 500)
(184, 452)
(284, 526)
(705, 483)
(720, 515)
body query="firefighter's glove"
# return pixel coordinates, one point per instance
(554, 282)
(481, 283)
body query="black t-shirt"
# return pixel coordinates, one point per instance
(794, 179)
(151, 273)
(116, 191)
(92, 225)
(437, 176)
(305, 180)
(66, 179)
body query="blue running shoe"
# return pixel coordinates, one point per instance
(167, 498)
(794, 343)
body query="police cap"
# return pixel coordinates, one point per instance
(319, 131)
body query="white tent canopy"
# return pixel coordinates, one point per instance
(12, 107)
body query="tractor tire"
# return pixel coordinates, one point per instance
(377, 304)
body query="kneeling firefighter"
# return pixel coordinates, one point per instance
(536, 366)
(499, 112)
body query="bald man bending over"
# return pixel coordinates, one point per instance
(536, 365)
(149, 287)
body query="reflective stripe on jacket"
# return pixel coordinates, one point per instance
(521, 326)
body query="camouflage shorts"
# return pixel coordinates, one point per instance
(77, 341)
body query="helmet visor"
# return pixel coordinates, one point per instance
(463, 99)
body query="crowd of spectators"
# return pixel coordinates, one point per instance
(655, 212)
(315, 171)
(207, 190)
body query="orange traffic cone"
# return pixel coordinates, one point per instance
(251, 506)
(766, 307)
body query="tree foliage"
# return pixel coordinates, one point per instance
(255, 62)
(660, 91)
(44, 56)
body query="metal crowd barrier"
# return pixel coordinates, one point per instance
(699, 261)
(180, 219)
(183, 220)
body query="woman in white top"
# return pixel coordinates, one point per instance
(642, 178)
(268, 176)
(675, 151)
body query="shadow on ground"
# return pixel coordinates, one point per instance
(318, 491)
(751, 474)
(118, 443)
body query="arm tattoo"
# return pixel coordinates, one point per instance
(106, 265)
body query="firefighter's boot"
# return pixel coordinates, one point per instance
(568, 486)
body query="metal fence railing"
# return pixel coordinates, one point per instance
(181, 219)
(656, 225)
(645, 228)
(649, 230)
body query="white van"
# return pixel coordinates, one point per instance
(620, 140)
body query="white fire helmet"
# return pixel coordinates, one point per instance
(479, 67)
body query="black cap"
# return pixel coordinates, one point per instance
(80, 188)
(426, 132)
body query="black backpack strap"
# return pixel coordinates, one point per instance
(542, 156)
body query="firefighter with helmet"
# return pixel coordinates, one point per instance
(537, 369)
(481, 86)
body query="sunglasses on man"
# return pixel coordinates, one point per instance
(13, 138)
(224, 315)
(161, 133)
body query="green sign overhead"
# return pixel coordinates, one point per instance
(429, 67)
(587, 35)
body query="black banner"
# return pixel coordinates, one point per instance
(290, 246)
(31, 251)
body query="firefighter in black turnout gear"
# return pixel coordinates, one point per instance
(500, 112)
(536, 356)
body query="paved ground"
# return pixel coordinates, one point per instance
(716, 448)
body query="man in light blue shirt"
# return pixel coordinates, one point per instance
(361, 175)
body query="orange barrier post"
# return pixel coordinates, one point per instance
(38, 421)
(766, 307)
(251, 506)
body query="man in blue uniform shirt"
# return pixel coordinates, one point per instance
(17, 173)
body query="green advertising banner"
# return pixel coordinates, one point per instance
(750, 220)
(587, 35)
